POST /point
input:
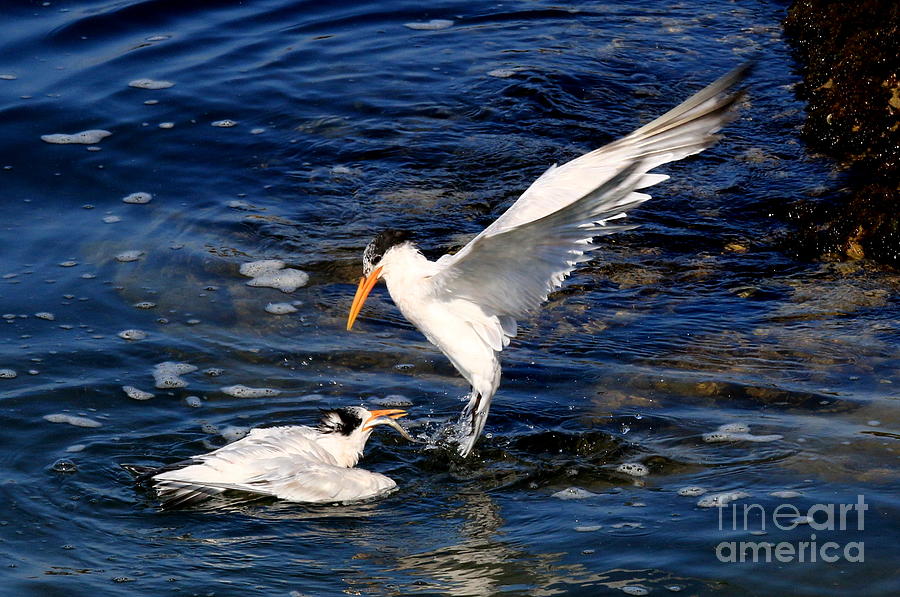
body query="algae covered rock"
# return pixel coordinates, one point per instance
(849, 61)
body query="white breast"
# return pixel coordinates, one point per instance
(461, 329)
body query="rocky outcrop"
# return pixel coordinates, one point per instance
(849, 53)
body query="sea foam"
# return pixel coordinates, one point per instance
(89, 137)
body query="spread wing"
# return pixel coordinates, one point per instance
(511, 267)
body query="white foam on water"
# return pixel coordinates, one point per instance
(193, 401)
(132, 334)
(167, 375)
(233, 433)
(45, 315)
(635, 590)
(432, 25)
(68, 264)
(392, 401)
(786, 495)
(137, 394)
(716, 436)
(150, 84)
(253, 269)
(175, 368)
(734, 428)
(635, 469)
(286, 280)
(574, 493)
(504, 73)
(144, 305)
(737, 432)
(280, 308)
(224, 124)
(749, 437)
(717, 500)
(588, 528)
(139, 198)
(691, 491)
(8, 374)
(8, 77)
(240, 391)
(89, 137)
(128, 256)
(166, 125)
(72, 420)
(76, 448)
(111, 219)
(167, 382)
(240, 204)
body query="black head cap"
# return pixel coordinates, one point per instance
(343, 420)
(380, 245)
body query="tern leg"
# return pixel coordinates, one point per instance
(472, 421)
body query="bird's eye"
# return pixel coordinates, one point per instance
(330, 422)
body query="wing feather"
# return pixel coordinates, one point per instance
(288, 478)
(281, 462)
(511, 267)
(512, 272)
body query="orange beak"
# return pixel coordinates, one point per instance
(388, 417)
(391, 413)
(366, 284)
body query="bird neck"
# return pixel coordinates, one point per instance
(345, 450)
(404, 264)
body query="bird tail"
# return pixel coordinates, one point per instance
(139, 472)
(177, 494)
(471, 421)
(172, 494)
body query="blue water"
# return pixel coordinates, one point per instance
(347, 122)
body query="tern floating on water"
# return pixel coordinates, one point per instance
(294, 463)
(467, 304)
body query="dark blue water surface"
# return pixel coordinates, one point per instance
(348, 121)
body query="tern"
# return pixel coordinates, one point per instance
(467, 304)
(294, 463)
